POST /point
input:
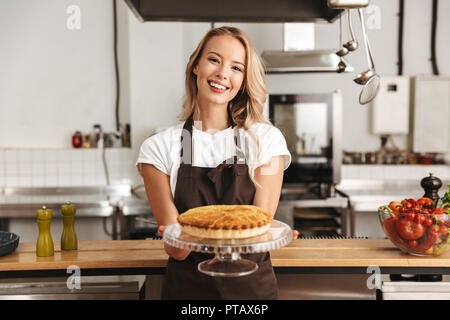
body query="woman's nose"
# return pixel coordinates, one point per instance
(222, 73)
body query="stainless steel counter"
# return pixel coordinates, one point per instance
(98, 201)
(99, 208)
(112, 202)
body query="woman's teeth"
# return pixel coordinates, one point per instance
(218, 86)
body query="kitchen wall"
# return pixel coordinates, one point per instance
(56, 80)
(63, 167)
(382, 22)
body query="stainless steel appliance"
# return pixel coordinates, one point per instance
(312, 127)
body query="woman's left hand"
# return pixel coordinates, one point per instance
(295, 234)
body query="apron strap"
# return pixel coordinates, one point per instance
(240, 156)
(186, 142)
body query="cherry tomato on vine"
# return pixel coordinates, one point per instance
(425, 202)
(428, 222)
(420, 218)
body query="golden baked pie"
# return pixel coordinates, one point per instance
(225, 221)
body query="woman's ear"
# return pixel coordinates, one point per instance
(195, 70)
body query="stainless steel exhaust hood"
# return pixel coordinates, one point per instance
(266, 11)
(299, 53)
(234, 10)
(302, 61)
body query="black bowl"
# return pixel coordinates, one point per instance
(8, 242)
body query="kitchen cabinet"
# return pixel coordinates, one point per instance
(390, 110)
(92, 288)
(430, 114)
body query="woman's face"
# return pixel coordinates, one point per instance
(220, 70)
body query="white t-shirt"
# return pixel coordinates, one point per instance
(209, 150)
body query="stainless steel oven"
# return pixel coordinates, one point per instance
(312, 127)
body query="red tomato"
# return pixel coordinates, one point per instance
(443, 230)
(413, 244)
(430, 240)
(420, 218)
(425, 202)
(437, 211)
(428, 222)
(433, 229)
(390, 228)
(411, 216)
(409, 230)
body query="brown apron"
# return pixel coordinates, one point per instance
(228, 183)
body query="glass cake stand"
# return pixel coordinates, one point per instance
(228, 261)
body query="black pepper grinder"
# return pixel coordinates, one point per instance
(431, 185)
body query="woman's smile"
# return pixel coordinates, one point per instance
(217, 87)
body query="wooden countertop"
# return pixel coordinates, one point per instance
(150, 254)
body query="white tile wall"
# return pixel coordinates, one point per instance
(84, 167)
(64, 167)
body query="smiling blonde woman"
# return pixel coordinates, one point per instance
(246, 108)
(204, 161)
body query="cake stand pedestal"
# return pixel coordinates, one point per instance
(227, 261)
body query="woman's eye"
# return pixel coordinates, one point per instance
(213, 59)
(237, 69)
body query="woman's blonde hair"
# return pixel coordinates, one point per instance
(246, 108)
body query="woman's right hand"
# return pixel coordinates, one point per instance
(178, 254)
(160, 231)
